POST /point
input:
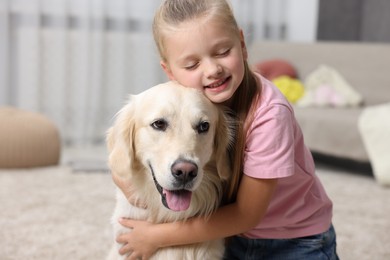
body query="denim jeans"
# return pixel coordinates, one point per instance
(317, 247)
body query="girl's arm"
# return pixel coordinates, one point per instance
(125, 187)
(252, 201)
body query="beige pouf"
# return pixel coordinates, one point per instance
(27, 139)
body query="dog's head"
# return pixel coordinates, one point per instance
(172, 132)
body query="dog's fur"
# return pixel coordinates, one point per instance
(170, 142)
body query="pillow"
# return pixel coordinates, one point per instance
(326, 86)
(291, 88)
(271, 69)
(374, 127)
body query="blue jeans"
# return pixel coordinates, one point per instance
(317, 247)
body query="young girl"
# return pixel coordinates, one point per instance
(277, 206)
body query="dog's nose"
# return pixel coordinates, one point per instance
(184, 171)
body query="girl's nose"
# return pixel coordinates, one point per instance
(213, 69)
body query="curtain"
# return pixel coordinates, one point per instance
(76, 61)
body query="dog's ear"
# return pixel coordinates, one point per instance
(222, 142)
(120, 143)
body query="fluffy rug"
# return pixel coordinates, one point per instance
(64, 212)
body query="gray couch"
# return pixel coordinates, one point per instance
(366, 66)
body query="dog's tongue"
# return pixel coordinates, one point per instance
(178, 200)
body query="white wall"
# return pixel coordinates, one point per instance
(302, 20)
(290, 20)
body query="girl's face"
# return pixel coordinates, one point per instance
(206, 56)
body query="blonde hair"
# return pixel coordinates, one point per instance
(172, 13)
(168, 18)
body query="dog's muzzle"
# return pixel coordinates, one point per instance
(184, 173)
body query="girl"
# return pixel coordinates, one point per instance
(277, 206)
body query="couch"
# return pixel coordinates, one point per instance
(330, 130)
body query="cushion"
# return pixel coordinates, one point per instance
(27, 139)
(271, 69)
(291, 88)
(325, 86)
(374, 126)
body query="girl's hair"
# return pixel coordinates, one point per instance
(172, 13)
(167, 19)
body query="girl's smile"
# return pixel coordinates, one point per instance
(219, 83)
(204, 54)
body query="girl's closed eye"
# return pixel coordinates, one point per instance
(191, 66)
(223, 52)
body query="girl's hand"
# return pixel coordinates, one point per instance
(138, 243)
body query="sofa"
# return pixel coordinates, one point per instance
(342, 132)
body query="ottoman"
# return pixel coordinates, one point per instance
(27, 139)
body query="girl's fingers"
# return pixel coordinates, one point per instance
(133, 257)
(126, 222)
(125, 249)
(122, 238)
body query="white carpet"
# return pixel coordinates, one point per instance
(56, 213)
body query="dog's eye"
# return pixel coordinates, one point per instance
(160, 125)
(203, 127)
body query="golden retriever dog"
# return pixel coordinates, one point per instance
(170, 142)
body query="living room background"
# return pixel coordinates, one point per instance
(76, 61)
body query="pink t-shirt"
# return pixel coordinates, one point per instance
(275, 149)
